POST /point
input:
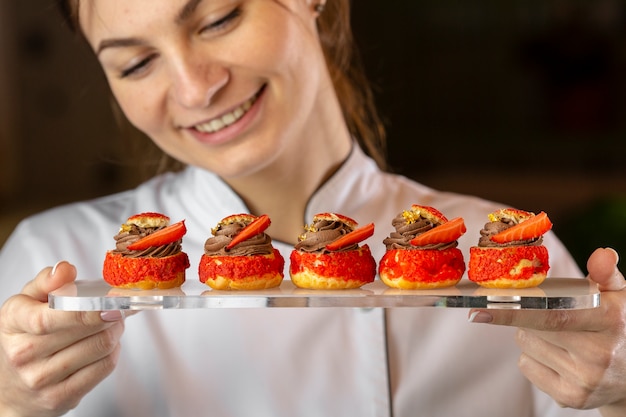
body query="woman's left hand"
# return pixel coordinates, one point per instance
(578, 357)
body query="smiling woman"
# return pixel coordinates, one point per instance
(266, 106)
(344, 64)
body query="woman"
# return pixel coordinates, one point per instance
(254, 97)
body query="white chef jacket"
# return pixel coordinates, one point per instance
(288, 361)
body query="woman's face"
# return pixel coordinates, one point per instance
(222, 84)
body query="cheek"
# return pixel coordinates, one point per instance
(275, 43)
(141, 109)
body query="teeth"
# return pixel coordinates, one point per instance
(226, 119)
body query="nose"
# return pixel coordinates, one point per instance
(195, 83)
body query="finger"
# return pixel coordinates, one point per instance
(27, 315)
(36, 331)
(570, 375)
(62, 364)
(594, 319)
(574, 356)
(550, 382)
(539, 346)
(83, 381)
(50, 279)
(67, 394)
(602, 267)
(22, 314)
(114, 315)
(547, 366)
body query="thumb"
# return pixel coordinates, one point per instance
(50, 279)
(602, 267)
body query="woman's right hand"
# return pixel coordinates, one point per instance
(50, 359)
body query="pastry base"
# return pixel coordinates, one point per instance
(508, 267)
(421, 268)
(145, 273)
(336, 270)
(256, 272)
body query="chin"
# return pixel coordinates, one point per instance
(241, 166)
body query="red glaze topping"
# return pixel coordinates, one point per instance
(493, 263)
(119, 270)
(429, 265)
(240, 267)
(357, 265)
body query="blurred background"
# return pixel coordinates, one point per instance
(519, 101)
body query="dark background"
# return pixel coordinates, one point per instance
(518, 101)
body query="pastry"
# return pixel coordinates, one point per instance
(510, 253)
(148, 254)
(328, 255)
(422, 252)
(240, 255)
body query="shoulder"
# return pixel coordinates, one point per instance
(73, 232)
(367, 194)
(78, 232)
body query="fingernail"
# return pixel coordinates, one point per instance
(113, 315)
(616, 254)
(480, 317)
(54, 268)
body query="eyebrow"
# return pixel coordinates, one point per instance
(117, 43)
(185, 12)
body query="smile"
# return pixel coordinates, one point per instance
(229, 118)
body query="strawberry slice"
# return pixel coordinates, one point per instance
(444, 233)
(351, 238)
(531, 228)
(161, 237)
(257, 226)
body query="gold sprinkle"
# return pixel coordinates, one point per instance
(411, 216)
(307, 229)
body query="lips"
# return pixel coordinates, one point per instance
(227, 119)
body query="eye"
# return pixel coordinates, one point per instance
(223, 22)
(137, 68)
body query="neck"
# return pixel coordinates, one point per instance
(309, 157)
(282, 191)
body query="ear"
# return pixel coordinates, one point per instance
(316, 6)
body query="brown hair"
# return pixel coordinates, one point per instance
(344, 63)
(351, 84)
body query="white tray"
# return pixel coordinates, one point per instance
(553, 294)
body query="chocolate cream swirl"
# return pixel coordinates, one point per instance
(406, 231)
(260, 244)
(133, 233)
(493, 228)
(320, 234)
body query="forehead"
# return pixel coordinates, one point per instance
(120, 18)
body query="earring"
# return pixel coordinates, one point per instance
(319, 8)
